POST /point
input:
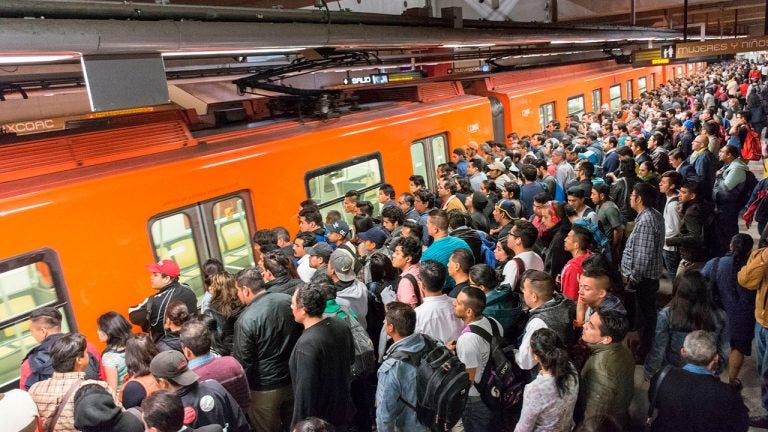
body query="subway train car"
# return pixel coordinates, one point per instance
(525, 101)
(83, 211)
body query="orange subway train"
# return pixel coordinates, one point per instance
(83, 210)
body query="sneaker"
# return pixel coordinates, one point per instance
(759, 422)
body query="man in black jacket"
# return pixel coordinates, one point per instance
(320, 362)
(150, 314)
(696, 215)
(691, 398)
(265, 334)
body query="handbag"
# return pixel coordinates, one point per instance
(652, 411)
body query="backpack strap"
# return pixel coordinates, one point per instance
(654, 392)
(520, 270)
(60, 408)
(476, 329)
(415, 284)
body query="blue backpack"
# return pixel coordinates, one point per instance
(486, 249)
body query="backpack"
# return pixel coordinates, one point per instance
(544, 186)
(365, 356)
(746, 188)
(751, 149)
(486, 249)
(502, 384)
(442, 385)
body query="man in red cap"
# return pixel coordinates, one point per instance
(150, 314)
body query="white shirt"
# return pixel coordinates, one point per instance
(304, 270)
(524, 356)
(531, 261)
(671, 221)
(435, 318)
(474, 351)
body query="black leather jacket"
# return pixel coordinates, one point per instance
(265, 334)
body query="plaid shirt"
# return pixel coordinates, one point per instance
(642, 254)
(49, 393)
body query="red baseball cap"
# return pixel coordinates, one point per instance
(166, 267)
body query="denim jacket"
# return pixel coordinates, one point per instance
(397, 379)
(667, 344)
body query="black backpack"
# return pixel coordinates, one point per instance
(502, 384)
(442, 385)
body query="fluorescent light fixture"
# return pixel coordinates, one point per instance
(19, 59)
(468, 46)
(229, 52)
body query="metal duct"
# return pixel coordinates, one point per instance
(125, 37)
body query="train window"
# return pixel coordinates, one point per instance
(679, 71)
(234, 237)
(27, 283)
(576, 105)
(546, 114)
(328, 185)
(426, 154)
(629, 90)
(614, 92)
(642, 87)
(218, 228)
(597, 100)
(419, 159)
(173, 238)
(652, 80)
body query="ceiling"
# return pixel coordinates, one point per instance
(203, 39)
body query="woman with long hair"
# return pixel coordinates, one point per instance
(176, 314)
(549, 400)
(279, 273)
(225, 309)
(114, 330)
(503, 254)
(139, 383)
(210, 268)
(511, 192)
(692, 308)
(738, 302)
(501, 303)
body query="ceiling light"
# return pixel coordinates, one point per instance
(229, 52)
(20, 59)
(468, 45)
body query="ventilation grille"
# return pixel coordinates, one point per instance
(46, 156)
(427, 92)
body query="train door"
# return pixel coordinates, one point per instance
(218, 228)
(28, 282)
(426, 154)
(497, 120)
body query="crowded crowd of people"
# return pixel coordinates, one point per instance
(550, 246)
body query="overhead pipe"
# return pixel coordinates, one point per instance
(92, 37)
(159, 12)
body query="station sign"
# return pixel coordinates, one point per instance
(716, 47)
(384, 78)
(469, 69)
